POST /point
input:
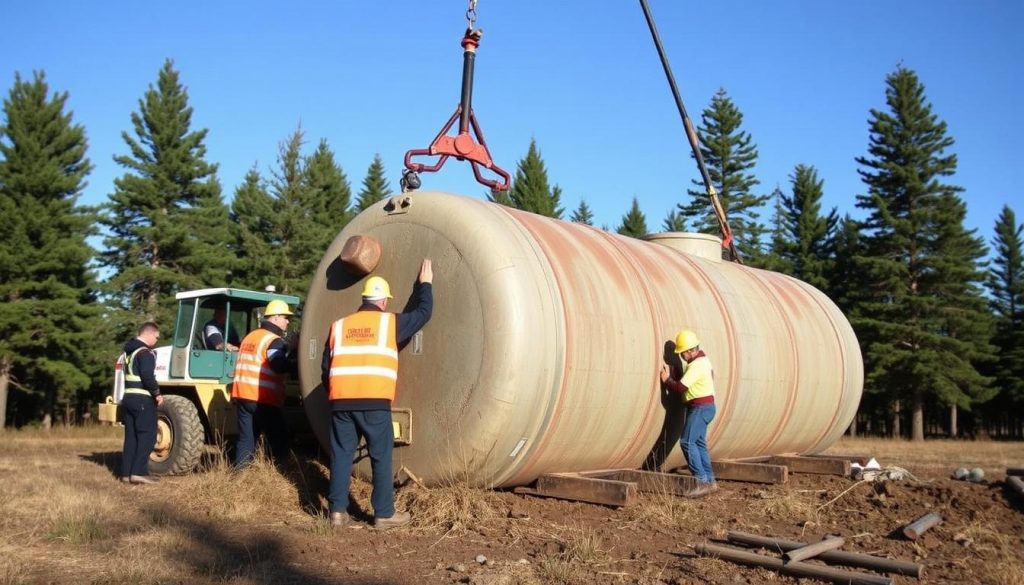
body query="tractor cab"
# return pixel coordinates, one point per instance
(210, 325)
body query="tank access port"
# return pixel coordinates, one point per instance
(401, 422)
(360, 255)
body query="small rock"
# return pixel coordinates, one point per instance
(438, 566)
(481, 559)
(976, 475)
(523, 562)
(960, 473)
(489, 563)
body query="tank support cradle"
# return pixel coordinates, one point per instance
(609, 487)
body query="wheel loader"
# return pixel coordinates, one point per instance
(196, 381)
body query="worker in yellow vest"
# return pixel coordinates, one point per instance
(138, 406)
(360, 372)
(258, 388)
(697, 385)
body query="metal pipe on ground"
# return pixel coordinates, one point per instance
(849, 559)
(915, 529)
(795, 569)
(1017, 484)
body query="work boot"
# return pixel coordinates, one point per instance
(399, 519)
(142, 479)
(701, 490)
(712, 486)
(126, 479)
(339, 519)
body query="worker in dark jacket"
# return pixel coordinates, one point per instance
(141, 397)
(360, 373)
(258, 387)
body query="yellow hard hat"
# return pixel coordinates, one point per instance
(376, 288)
(277, 307)
(686, 340)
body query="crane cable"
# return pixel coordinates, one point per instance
(691, 135)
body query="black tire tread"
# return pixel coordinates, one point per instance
(188, 431)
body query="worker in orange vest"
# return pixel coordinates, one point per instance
(258, 388)
(360, 371)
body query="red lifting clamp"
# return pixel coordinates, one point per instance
(462, 146)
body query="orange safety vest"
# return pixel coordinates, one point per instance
(254, 380)
(364, 356)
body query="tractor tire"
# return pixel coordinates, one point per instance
(179, 437)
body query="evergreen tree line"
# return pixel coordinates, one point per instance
(934, 343)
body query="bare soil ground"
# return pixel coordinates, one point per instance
(64, 519)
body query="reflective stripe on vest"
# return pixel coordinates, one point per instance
(133, 381)
(364, 357)
(254, 379)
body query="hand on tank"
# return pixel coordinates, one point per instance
(664, 372)
(159, 399)
(426, 271)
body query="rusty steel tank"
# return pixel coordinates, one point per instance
(543, 351)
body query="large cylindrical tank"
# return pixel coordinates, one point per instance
(546, 339)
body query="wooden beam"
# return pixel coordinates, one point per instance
(915, 529)
(1014, 471)
(796, 569)
(836, 557)
(860, 459)
(653, 482)
(753, 472)
(569, 486)
(812, 550)
(818, 465)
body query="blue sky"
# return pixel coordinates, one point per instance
(582, 78)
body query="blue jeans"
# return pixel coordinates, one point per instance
(346, 428)
(139, 418)
(255, 418)
(695, 441)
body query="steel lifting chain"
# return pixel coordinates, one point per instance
(471, 15)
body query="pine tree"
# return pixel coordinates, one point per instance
(774, 258)
(48, 315)
(254, 218)
(674, 222)
(729, 155)
(375, 186)
(583, 214)
(842, 289)
(285, 226)
(328, 200)
(1006, 283)
(806, 245)
(914, 301)
(634, 224)
(165, 218)
(530, 190)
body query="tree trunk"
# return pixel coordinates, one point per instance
(917, 418)
(896, 430)
(5, 381)
(952, 422)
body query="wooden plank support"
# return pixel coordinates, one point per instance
(1018, 471)
(915, 529)
(817, 465)
(653, 482)
(752, 472)
(860, 459)
(570, 486)
(812, 550)
(795, 569)
(837, 557)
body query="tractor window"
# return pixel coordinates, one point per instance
(183, 328)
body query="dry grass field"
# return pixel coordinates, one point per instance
(64, 519)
